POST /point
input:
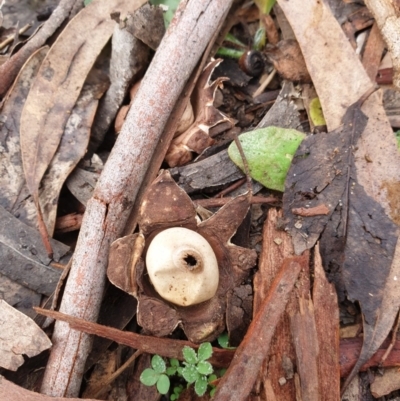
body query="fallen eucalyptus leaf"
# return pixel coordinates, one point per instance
(72, 147)
(340, 80)
(269, 152)
(19, 336)
(356, 234)
(58, 84)
(12, 181)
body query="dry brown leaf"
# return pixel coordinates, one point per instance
(72, 148)
(196, 138)
(59, 82)
(340, 80)
(384, 384)
(19, 336)
(11, 172)
(11, 392)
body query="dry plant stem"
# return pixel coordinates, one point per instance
(10, 69)
(265, 83)
(10, 39)
(394, 335)
(110, 206)
(168, 134)
(218, 202)
(387, 17)
(245, 164)
(231, 188)
(165, 347)
(239, 379)
(349, 348)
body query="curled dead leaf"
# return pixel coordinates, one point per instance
(202, 321)
(197, 137)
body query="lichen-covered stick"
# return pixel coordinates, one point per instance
(107, 211)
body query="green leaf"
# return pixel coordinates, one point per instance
(189, 354)
(179, 370)
(212, 392)
(205, 351)
(212, 378)
(316, 113)
(163, 384)
(223, 340)
(190, 373)
(149, 377)
(397, 133)
(260, 39)
(265, 6)
(204, 368)
(269, 153)
(178, 389)
(200, 386)
(158, 364)
(170, 371)
(171, 8)
(174, 362)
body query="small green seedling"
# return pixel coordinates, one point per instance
(195, 369)
(223, 341)
(157, 374)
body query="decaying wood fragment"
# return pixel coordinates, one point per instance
(305, 340)
(241, 375)
(326, 312)
(110, 206)
(387, 17)
(311, 211)
(277, 245)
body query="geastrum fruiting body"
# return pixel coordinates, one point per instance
(180, 270)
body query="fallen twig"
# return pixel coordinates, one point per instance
(116, 190)
(165, 347)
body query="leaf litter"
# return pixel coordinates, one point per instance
(337, 202)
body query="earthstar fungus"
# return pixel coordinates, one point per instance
(191, 292)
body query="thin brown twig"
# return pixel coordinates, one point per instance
(231, 188)
(218, 202)
(98, 391)
(245, 164)
(10, 39)
(393, 341)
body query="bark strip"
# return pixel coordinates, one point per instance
(238, 381)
